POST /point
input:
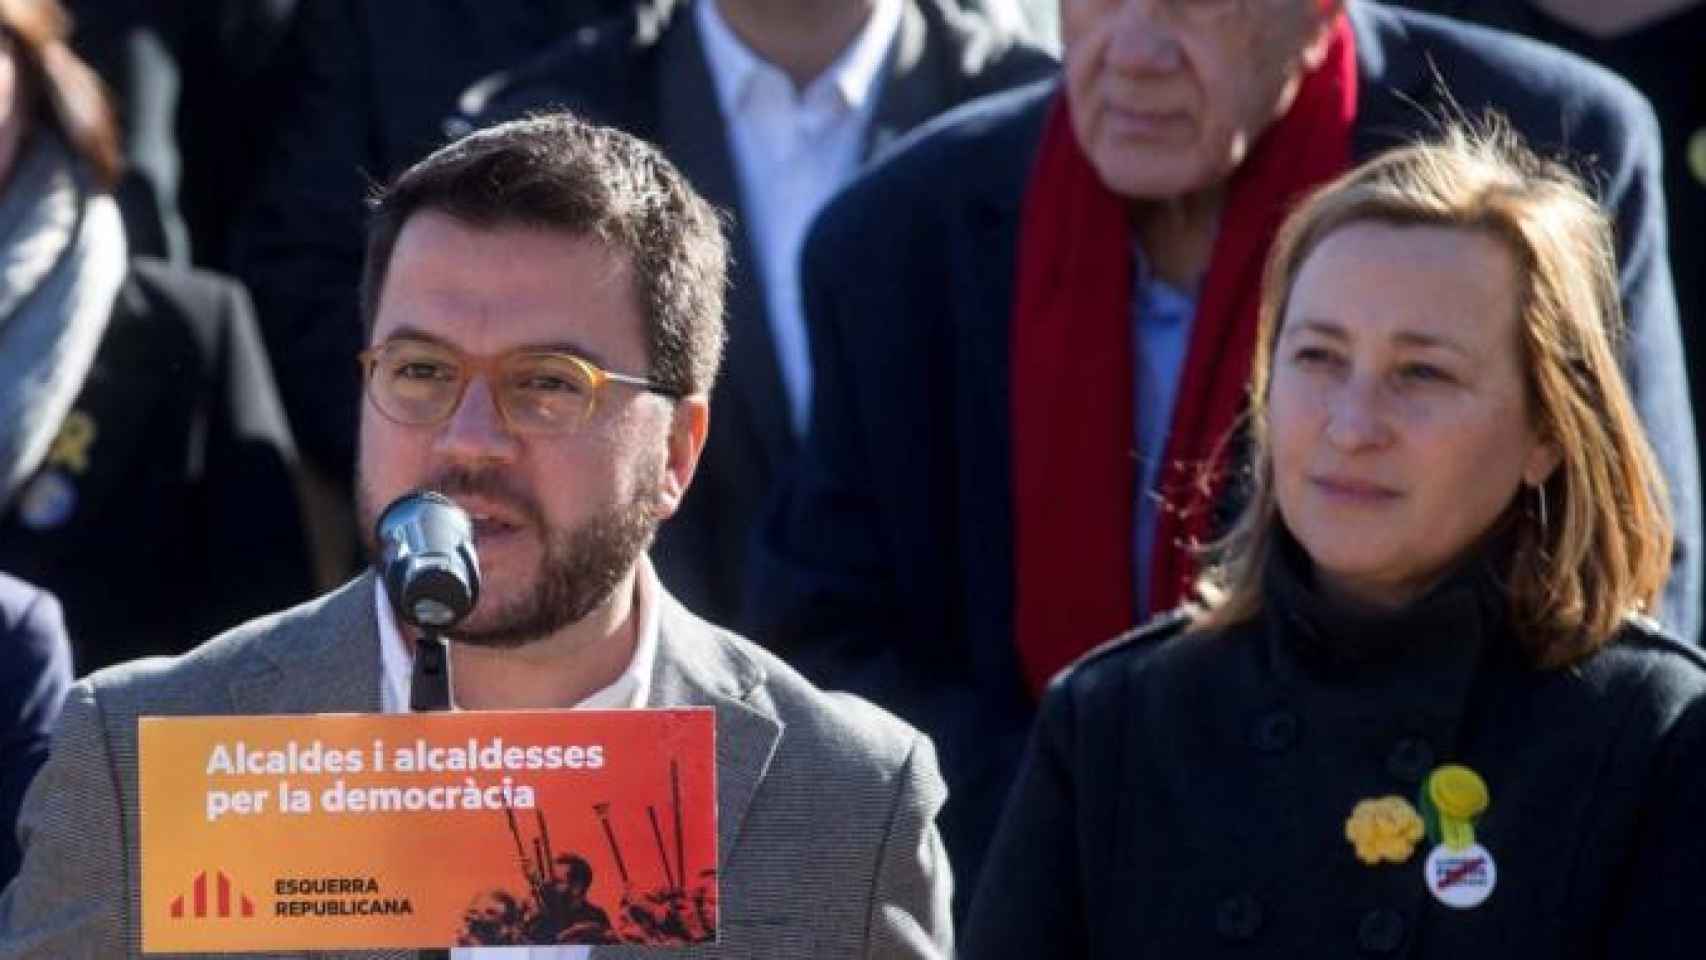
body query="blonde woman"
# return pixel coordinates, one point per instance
(1419, 711)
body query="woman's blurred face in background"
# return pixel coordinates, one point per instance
(1398, 411)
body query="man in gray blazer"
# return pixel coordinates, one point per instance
(543, 303)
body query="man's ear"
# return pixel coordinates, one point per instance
(689, 424)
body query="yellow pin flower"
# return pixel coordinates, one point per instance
(1386, 829)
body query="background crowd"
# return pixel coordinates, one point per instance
(888, 499)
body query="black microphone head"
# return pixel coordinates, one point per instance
(426, 555)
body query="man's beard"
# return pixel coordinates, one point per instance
(577, 574)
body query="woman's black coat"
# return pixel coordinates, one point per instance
(1185, 794)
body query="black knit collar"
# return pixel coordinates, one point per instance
(1433, 642)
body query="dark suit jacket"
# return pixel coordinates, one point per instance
(183, 517)
(36, 658)
(1186, 795)
(659, 87)
(370, 86)
(195, 85)
(885, 565)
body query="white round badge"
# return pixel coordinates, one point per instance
(1461, 878)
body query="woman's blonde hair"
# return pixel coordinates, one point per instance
(1598, 546)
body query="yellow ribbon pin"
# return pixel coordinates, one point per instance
(71, 447)
(1457, 795)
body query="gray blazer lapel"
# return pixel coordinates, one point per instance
(327, 662)
(697, 667)
(692, 132)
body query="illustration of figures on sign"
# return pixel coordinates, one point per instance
(554, 905)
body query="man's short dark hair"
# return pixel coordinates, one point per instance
(559, 172)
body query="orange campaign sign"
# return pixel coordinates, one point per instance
(423, 830)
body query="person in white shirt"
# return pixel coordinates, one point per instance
(770, 107)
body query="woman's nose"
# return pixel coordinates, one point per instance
(1356, 415)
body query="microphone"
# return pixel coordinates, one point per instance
(427, 558)
(426, 555)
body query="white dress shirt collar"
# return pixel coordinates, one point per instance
(631, 689)
(852, 77)
(791, 151)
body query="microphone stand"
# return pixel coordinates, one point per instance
(429, 690)
(429, 687)
(431, 574)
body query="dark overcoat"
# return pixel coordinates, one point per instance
(1186, 793)
(170, 507)
(33, 681)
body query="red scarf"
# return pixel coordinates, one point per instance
(1074, 471)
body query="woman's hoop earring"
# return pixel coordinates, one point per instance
(1540, 508)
